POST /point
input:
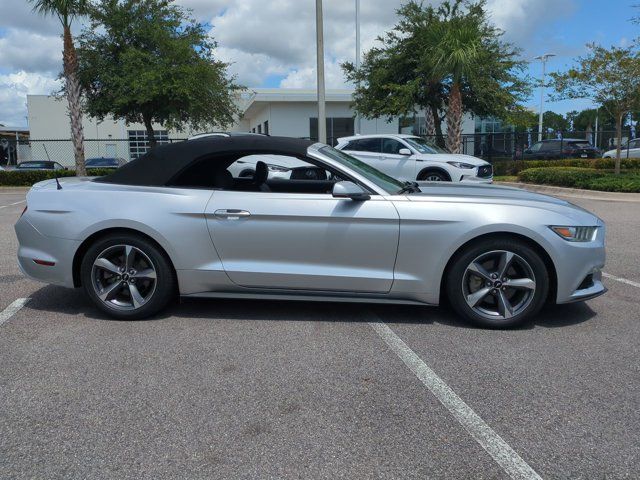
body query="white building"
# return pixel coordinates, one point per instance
(278, 112)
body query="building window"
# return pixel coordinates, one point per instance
(337, 127)
(266, 127)
(260, 128)
(139, 142)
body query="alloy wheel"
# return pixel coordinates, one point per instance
(498, 285)
(434, 177)
(123, 277)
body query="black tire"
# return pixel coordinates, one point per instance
(163, 292)
(433, 176)
(458, 279)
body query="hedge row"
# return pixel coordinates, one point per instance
(513, 167)
(26, 178)
(587, 178)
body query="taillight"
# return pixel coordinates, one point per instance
(24, 211)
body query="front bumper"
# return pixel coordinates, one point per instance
(35, 246)
(477, 180)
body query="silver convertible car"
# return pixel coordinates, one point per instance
(177, 222)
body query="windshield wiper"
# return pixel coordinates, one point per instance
(409, 187)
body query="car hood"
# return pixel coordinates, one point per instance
(451, 157)
(500, 195)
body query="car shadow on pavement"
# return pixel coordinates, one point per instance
(74, 302)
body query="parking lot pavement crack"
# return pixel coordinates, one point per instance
(494, 445)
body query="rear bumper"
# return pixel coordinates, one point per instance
(35, 246)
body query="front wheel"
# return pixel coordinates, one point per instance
(498, 283)
(127, 276)
(433, 176)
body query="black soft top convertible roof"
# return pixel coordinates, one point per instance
(158, 166)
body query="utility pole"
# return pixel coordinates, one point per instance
(322, 115)
(543, 59)
(358, 126)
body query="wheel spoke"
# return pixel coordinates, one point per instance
(521, 283)
(107, 293)
(136, 298)
(479, 270)
(146, 273)
(129, 254)
(504, 305)
(476, 297)
(105, 264)
(505, 262)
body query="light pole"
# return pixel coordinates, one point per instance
(543, 59)
(322, 116)
(358, 57)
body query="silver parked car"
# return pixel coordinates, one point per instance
(184, 225)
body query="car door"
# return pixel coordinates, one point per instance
(304, 241)
(533, 151)
(402, 167)
(634, 149)
(369, 150)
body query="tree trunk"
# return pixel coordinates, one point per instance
(148, 125)
(454, 119)
(618, 141)
(70, 65)
(429, 123)
(437, 124)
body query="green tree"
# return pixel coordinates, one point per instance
(522, 119)
(149, 61)
(554, 121)
(609, 77)
(446, 58)
(67, 11)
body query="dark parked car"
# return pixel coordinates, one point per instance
(565, 148)
(40, 165)
(105, 162)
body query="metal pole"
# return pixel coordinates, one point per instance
(322, 116)
(543, 59)
(358, 125)
(544, 62)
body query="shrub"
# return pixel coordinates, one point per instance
(513, 167)
(26, 178)
(587, 178)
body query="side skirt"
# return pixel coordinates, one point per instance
(306, 297)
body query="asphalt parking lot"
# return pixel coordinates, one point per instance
(256, 389)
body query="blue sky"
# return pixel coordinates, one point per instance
(272, 44)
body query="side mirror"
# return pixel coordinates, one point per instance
(404, 151)
(349, 190)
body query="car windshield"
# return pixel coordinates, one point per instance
(384, 181)
(422, 146)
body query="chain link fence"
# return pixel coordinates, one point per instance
(488, 146)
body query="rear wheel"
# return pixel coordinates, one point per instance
(127, 276)
(498, 283)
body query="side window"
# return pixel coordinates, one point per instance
(550, 146)
(634, 144)
(536, 147)
(391, 146)
(365, 145)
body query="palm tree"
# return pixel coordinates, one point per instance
(457, 55)
(66, 11)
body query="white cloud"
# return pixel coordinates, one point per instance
(31, 52)
(14, 88)
(261, 39)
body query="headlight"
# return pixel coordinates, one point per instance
(465, 166)
(576, 234)
(277, 168)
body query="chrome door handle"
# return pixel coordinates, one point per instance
(231, 214)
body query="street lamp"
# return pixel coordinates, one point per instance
(543, 59)
(322, 116)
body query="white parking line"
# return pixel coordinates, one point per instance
(12, 309)
(11, 204)
(621, 280)
(495, 446)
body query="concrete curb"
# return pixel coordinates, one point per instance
(576, 192)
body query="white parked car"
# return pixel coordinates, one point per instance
(628, 150)
(412, 158)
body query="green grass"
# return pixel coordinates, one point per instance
(505, 178)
